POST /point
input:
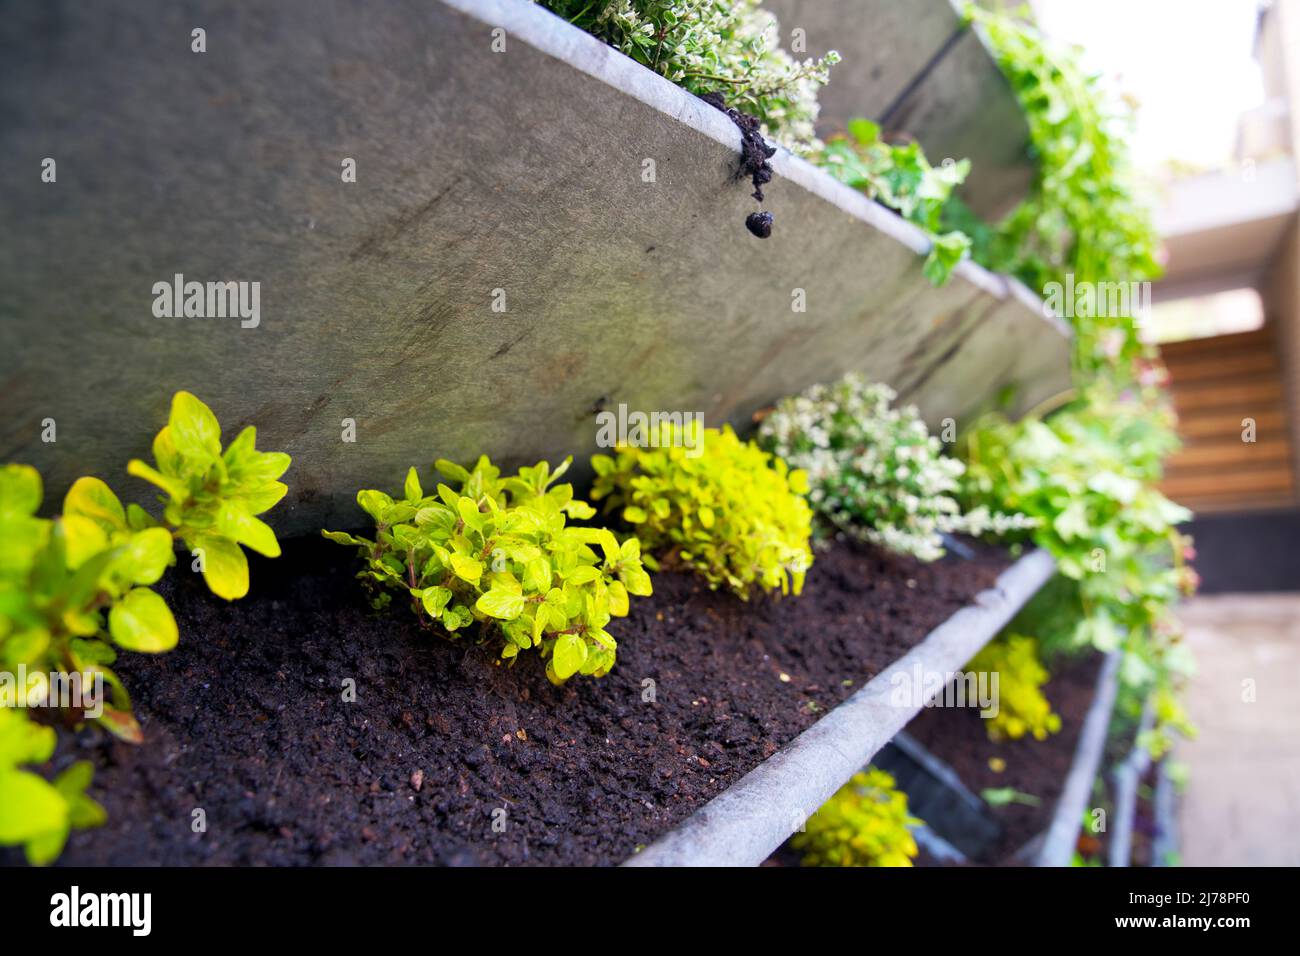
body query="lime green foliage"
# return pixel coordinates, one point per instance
(1005, 796)
(946, 252)
(1022, 707)
(875, 470)
(866, 823)
(731, 47)
(901, 178)
(74, 588)
(1084, 215)
(213, 497)
(35, 813)
(1088, 473)
(499, 552)
(1170, 718)
(735, 514)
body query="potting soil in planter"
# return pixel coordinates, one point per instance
(254, 755)
(1034, 767)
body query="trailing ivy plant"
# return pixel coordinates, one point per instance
(1084, 215)
(1089, 473)
(874, 470)
(707, 501)
(76, 588)
(730, 48)
(1022, 706)
(865, 823)
(900, 177)
(498, 553)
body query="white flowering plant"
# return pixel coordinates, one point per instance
(727, 47)
(874, 470)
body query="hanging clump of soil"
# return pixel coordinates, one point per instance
(754, 155)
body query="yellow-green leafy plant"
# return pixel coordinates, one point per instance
(703, 499)
(499, 553)
(1022, 706)
(76, 588)
(213, 497)
(1170, 718)
(866, 823)
(35, 813)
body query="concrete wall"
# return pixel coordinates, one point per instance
(476, 171)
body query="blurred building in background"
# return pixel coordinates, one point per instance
(1227, 315)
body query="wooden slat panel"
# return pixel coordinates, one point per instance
(1262, 337)
(1233, 364)
(1234, 451)
(1212, 425)
(1240, 481)
(1246, 394)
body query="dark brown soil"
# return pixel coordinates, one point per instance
(754, 150)
(245, 719)
(1036, 767)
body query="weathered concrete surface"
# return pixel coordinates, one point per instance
(916, 68)
(745, 823)
(964, 108)
(476, 171)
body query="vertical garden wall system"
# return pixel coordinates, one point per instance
(539, 229)
(483, 177)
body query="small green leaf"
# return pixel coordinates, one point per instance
(173, 486)
(435, 600)
(91, 498)
(147, 555)
(568, 655)
(466, 568)
(83, 537)
(501, 603)
(20, 490)
(412, 490)
(225, 569)
(194, 429)
(618, 600)
(253, 533)
(582, 574)
(141, 621)
(374, 503)
(29, 807)
(452, 470)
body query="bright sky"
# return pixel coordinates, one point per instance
(1188, 62)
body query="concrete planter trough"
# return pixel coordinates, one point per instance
(499, 269)
(921, 72)
(1056, 846)
(743, 825)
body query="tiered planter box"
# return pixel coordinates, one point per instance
(487, 175)
(744, 825)
(477, 171)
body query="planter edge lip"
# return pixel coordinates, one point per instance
(742, 825)
(542, 30)
(1057, 848)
